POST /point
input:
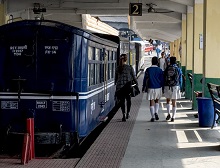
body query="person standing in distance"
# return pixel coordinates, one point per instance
(124, 76)
(162, 61)
(152, 84)
(172, 86)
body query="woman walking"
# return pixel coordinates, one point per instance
(124, 77)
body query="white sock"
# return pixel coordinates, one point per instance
(152, 111)
(156, 107)
(174, 112)
(168, 108)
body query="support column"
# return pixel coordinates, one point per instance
(211, 44)
(171, 48)
(189, 49)
(175, 48)
(2, 14)
(178, 51)
(183, 43)
(197, 48)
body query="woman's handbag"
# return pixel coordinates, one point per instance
(134, 90)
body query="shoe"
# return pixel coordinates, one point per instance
(156, 116)
(196, 115)
(152, 119)
(123, 119)
(172, 119)
(168, 117)
(127, 116)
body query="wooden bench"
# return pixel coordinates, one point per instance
(214, 91)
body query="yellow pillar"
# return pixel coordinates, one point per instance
(2, 14)
(211, 37)
(175, 48)
(171, 48)
(183, 44)
(189, 49)
(178, 50)
(197, 48)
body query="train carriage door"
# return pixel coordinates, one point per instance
(104, 75)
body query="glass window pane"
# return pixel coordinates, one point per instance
(97, 54)
(113, 55)
(107, 55)
(97, 73)
(109, 70)
(110, 55)
(90, 53)
(92, 74)
(113, 70)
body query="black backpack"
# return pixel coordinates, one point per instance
(172, 76)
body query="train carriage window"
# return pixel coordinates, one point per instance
(113, 70)
(110, 55)
(109, 64)
(113, 56)
(91, 67)
(97, 69)
(106, 65)
(97, 54)
(97, 66)
(90, 53)
(91, 74)
(109, 70)
(114, 64)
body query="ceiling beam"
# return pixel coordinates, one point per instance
(184, 2)
(103, 12)
(157, 17)
(155, 33)
(156, 25)
(124, 4)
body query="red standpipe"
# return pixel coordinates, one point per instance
(30, 130)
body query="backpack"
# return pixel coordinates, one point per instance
(171, 76)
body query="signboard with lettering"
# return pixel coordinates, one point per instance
(63, 106)
(41, 104)
(135, 9)
(10, 105)
(51, 49)
(200, 41)
(18, 50)
(21, 49)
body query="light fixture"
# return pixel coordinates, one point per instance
(37, 9)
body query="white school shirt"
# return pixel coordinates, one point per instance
(162, 63)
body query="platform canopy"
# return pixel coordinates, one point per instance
(161, 19)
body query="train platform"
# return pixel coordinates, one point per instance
(140, 143)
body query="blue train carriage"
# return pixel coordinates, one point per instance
(60, 75)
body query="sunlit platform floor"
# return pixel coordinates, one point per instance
(166, 144)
